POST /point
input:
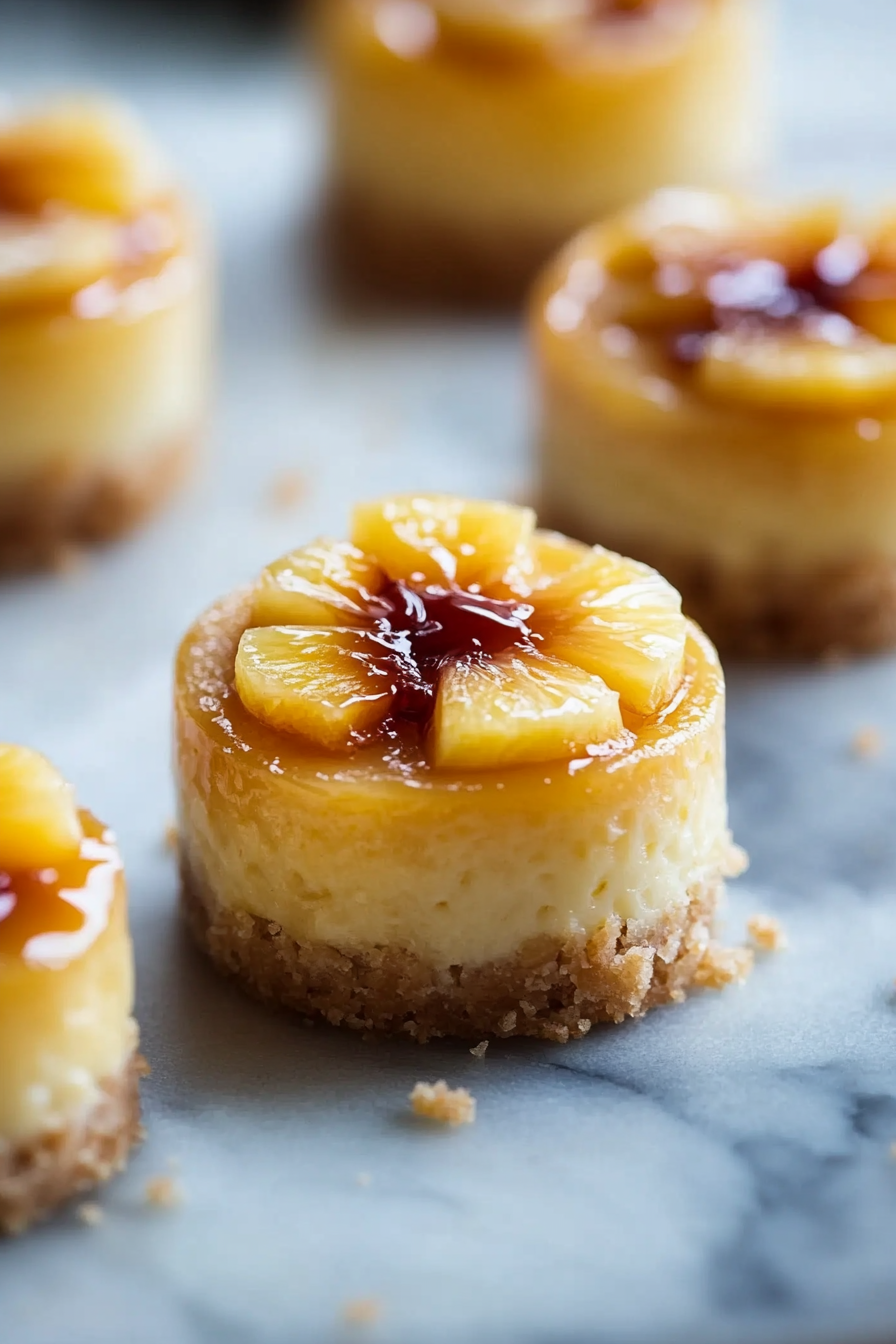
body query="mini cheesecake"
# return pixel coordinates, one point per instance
(104, 330)
(470, 138)
(718, 397)
(456, 776)
(69, 1067)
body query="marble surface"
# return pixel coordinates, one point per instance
(718, 1172)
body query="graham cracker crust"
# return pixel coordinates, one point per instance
(73, 505)
(554, 991)
(41, 1173)
(839, 609)
(420, 261)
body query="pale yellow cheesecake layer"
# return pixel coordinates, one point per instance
(486, 142)
(66, 991)
(119, 371)
(381, 849)
(634, 451)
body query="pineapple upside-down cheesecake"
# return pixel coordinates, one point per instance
(456, 776)
(470, 138)
(69, 1067)
(103, 329)
(718, 397)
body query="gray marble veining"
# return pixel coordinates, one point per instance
(718, 1172)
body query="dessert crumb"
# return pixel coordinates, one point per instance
(172, 836)
(363, 1177)
(362, 1311)
(163, 1192)
(767, 933)
(867, 743)
(287, 490)
(447, 1105)
(508, 1021)
(720, 966)
(90, 1214)
(737, 861)
(479, 1050)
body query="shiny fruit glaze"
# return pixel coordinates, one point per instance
(429, 628)
(50, 917)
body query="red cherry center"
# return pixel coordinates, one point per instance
(427, 628)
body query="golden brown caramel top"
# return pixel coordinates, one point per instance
(49, 917)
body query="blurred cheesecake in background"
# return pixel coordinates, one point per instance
(718, 397)
(104, 329)
(470, 138)
(455, 777)
(69, 1067)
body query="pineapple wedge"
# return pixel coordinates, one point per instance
(509, 25)
(611, 617)
(440, 539)
(326, 684)
(797, 373)
(39, 823)
(89, 154)
(47, 259)
(326, 583)
(519, 708)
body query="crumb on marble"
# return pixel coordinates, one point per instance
(287, 490)
(172, 836)
(479, 1050)
(362, 1311)
(447, 1105)
(767, 933)
(363, 1178)
(867, 743)
(163, 1192)
(90, 1214)
(720, 966)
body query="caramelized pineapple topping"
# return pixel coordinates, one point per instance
(39, 822)
(775, 310)
(501, 645)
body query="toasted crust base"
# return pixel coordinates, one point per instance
(555, 991)
(846, 608)
(74, 505)
(422, 261)
(41, 1173)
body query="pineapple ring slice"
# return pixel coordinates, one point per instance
(42, 260)
(326, 583)
(39, 823)
(519, 708)
(89, 154)
(796, 373)
(441, 539)
(329, 684)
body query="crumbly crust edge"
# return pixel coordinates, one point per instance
(553, 990)
(40, 1173)
(845, 608)
(79, 504)
(412, 260)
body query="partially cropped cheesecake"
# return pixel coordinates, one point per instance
(718, 397)
(69, 1067)
(104, 329)
(470, 138)
(455, 776)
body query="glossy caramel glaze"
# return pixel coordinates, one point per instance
(209, 706)
(49, 918)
